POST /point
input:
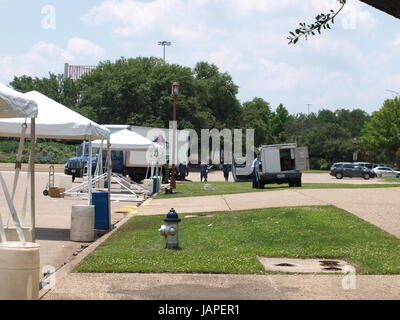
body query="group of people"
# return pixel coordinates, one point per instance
(182, 171)
(204, 168)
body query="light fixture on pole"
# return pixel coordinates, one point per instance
(164, 44)
(175, 93)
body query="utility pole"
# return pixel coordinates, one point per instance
(164, 44)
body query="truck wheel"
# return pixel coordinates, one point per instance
(45, 193)
(291, 184)
(339, 175)
(366, 176)
(298, 184)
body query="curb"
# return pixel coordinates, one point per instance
(69, 266)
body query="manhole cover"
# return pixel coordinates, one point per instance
(333, 269)
(329, 263)
(293, 265)
(285, 265)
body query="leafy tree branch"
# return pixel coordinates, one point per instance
(322, 22)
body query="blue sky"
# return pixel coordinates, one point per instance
(350, 66)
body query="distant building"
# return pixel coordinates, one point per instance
(76, 72)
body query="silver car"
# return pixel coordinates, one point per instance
(386, 172)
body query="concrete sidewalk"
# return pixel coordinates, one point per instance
(380, 207)
(222, 287)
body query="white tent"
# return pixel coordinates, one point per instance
(14, 104)
(55, 121)
(128, 141)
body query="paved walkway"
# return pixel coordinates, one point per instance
(53, 219)
(222, 287)
(380, 207)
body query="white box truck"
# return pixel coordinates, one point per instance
(281, 163)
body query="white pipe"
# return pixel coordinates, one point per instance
(109, 172)
(89, 172)
(32, 169)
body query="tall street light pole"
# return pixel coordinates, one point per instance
(175, 93)
(164, 44)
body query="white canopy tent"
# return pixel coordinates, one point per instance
(127, 140)
(14, 104)
(56, 121)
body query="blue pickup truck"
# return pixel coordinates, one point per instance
(77, 166)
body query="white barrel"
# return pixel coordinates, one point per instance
(19, 271)
(148, 184)
(65, 181)
(82, 223)
(12, 234)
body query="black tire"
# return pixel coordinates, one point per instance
(339, 175)
(298, 184)
(398, 176)
(73, 178)
(291, 184)
(366, 176)
(45, 193)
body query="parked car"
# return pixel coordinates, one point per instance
(386, 172)
(351, 170)
(339, 165)
(368, 165)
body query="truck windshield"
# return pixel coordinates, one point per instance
(79, 150)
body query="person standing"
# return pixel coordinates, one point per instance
(254, 166)
(203, 171)
(226, 168)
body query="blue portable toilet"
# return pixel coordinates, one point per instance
(101, 205)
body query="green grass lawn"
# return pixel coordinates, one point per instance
(195, 189)
(229, 242)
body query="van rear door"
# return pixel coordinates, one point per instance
(302, 159)
(271, 160)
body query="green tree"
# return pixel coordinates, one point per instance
(257, 116)
(381, 134)
(56, 87)
(217, 95)
(280, 118)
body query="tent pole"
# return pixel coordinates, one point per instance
(89, 172)
(32, 164)
(109, 172)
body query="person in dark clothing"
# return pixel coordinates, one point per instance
(182, 171)
(203, 172)
(226, 168)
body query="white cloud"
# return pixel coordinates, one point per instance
(395, 43)
(44, 57)
(280, 75)
(228, 59)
